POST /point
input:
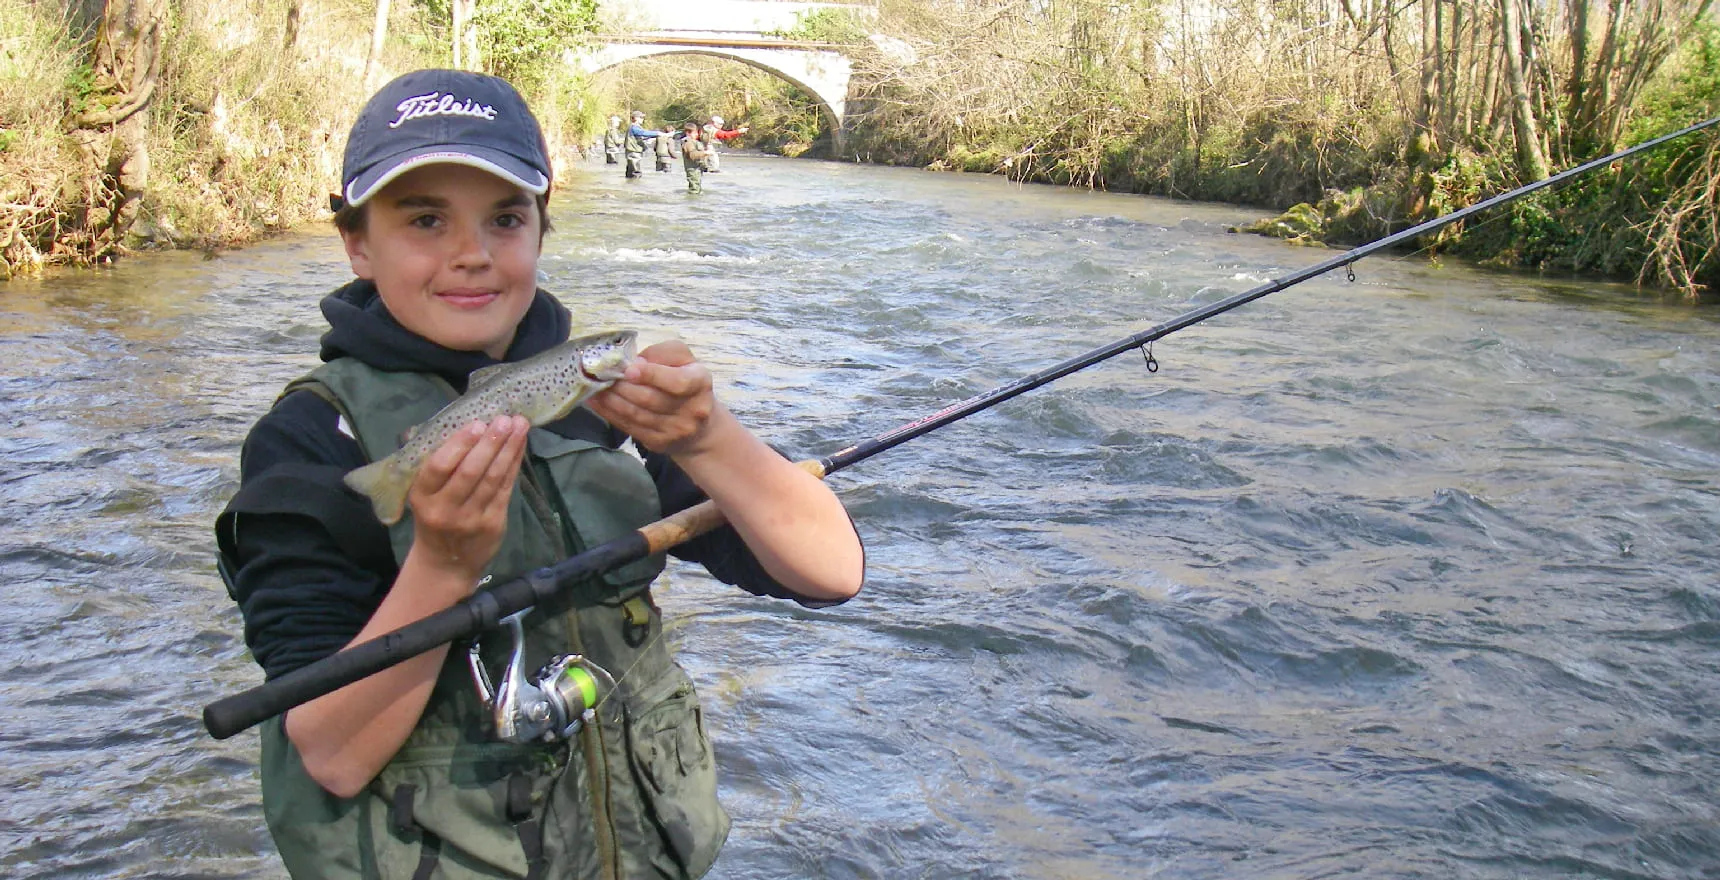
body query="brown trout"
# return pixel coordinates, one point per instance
(543, 388)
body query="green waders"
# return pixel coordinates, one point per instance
(633, 795)
(693, 153)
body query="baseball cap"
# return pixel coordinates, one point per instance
(453, 116)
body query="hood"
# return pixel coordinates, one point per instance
(361, 327)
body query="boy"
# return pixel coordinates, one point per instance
(694, 154)
(445, 183)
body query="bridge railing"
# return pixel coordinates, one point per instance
(716, 18)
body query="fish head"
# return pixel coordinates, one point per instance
(603, 357)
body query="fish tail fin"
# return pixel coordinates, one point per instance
(386, 486)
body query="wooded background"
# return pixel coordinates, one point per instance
(136, 123)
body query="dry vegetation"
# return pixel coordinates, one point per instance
(191, 124)
(134, 124)
(201, 123)
(1373, 113)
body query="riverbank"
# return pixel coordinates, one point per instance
(196, 124)
(1354, 125)
(239, 135)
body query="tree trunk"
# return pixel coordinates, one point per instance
(378, 35)
(1543, 93)
(458, 10)
(1579, 37)
(1445, 23)
(291, 38)
(1601, 93)
(112, 132)
(465, 38)
(1426, 108)
(1531, 161)
(1475, 84)
(1392, 65)
(1489, 85)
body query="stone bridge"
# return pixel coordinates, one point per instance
(740, 30)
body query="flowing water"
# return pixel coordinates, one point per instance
(1410, 576)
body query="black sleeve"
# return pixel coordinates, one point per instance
(304, 557)
(721, 551)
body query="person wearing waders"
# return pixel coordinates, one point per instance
(694, 154)
(710, 139)
(667, 149)
(637, 135)
(561, 744)
(715, 135)
(613, 140)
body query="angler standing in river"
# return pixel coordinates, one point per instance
(666, 149)
(715, 135)
(637, 135)
(694, 154)
(410, 771)
(614, 140)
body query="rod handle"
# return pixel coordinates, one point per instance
(703, 517)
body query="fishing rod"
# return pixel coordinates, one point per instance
(484, 610)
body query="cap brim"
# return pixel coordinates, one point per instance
(503, 165)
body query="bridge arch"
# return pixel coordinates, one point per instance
(821, 73)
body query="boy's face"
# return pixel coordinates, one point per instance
(453, 252)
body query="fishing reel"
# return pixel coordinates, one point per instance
(548, 706)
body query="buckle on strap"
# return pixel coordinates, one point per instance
(638, 611)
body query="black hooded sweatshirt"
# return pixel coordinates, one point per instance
(305, 557)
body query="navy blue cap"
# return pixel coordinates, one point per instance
(431, 116)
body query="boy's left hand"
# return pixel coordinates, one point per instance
(664, 401)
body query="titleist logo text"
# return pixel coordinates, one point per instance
(438, 104)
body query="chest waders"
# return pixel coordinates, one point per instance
(631, 795)
(695, 167)
(635, 155)
(710, 161)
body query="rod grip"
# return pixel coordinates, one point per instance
(703, 517)
(230, 715)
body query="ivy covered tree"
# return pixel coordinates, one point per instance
(523, 41)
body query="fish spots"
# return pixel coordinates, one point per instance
(541, 388)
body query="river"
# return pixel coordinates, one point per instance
(1414, 575)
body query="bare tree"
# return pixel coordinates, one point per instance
(378, 35)
(112, 131)
(290, 38)
(465, 36)
(1531, 159)
(1636, 39)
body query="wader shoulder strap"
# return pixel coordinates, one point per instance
(529, 829)
(400, 821)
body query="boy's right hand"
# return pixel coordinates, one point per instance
(460, 497)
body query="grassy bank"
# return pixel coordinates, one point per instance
(244, 127)
(245, 124)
